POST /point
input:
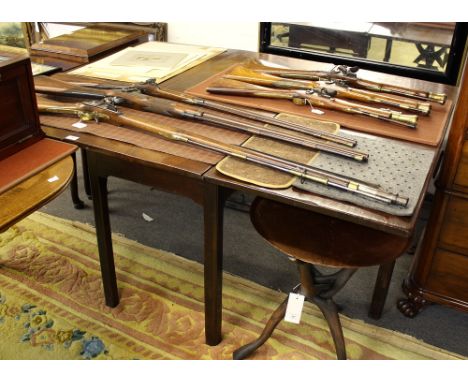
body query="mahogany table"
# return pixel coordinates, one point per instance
(204, 185)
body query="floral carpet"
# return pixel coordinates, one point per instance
(52, 306)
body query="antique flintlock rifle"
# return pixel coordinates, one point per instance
(257, 77)
(347, 76)
(101, 112)
(152, 89)
(314, 99)
(51, 86)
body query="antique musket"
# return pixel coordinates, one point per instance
(312, 98)
(47, 85)
(150, 88)
(101, 111)
(348, 76)
(257, 77)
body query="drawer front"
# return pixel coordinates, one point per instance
(461, 177)
(449, 275)
(454, 229)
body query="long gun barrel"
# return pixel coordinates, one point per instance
(300, 97)
(245, 113)
(161, 106)
(336, 89)
(152, 89)
(304, 172)
(349, 77)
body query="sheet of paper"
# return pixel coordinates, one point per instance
(150, 60)
(154, 59)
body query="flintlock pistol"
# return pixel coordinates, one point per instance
(313, 98)
(348, 76)
(333, 88)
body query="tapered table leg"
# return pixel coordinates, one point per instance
(86, 183)
(103, 231)
(77, 202)
(213, 202)
(382, 284)
(330, 312)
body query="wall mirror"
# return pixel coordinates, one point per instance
(428, 51)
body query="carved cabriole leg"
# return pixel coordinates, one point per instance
(321, 295)
(330, 312)
(275, 319)
(318, 289)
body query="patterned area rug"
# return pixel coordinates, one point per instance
(52, 306)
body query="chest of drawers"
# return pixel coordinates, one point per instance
(439, 271)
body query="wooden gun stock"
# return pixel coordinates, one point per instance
(247, 113)
(259, 77)
(52, 86)
(168, 108)
(238, 88)
(318, 75)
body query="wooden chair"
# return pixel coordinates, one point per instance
(312, 239)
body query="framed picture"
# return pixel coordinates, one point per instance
(17, 35)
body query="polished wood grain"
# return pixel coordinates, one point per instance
(323, 240)
(131, 153)
(440, 268)
(33, 193)
(461, 176)
(84, 43)
(450, 266)
(19, 122)
(454, 230)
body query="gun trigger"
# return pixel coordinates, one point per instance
(150, 81)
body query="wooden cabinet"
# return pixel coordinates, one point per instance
(439, 272)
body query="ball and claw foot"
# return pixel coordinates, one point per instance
(411, 306)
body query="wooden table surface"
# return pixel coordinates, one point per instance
(205, 185)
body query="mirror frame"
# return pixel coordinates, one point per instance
(450, 76)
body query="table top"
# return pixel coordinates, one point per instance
(378, 220)
(34, 192)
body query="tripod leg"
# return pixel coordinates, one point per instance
(330, 312)
(274, 320)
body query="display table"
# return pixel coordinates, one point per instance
(203, 184)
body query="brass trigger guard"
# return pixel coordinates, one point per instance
(90, 116)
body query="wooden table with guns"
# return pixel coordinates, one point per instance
(202, 183)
